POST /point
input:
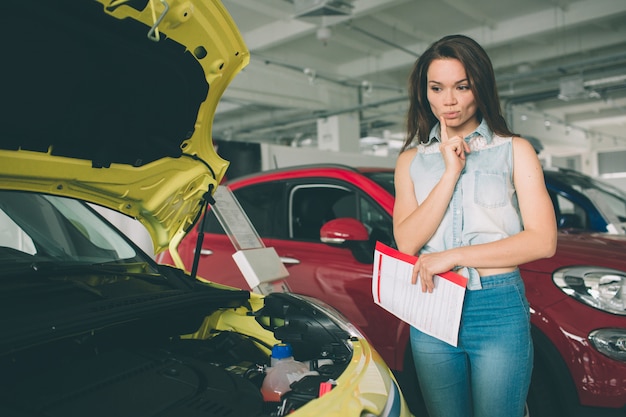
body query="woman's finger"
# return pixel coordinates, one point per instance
(418, 275)
(444, 130)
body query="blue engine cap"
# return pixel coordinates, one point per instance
(281, 351)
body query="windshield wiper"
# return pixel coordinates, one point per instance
(51, 269)
(108, 268)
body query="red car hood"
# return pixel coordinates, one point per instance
(600, 249)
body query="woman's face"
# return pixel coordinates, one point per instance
(450, 96)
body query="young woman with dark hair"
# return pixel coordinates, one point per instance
(470, 197)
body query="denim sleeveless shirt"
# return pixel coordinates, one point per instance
(484, 205)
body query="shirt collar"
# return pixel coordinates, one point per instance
(482, 130)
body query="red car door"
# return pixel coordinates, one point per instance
(327, 272)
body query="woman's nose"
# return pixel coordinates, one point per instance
(449, 98)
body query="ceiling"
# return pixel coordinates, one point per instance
(557, 63)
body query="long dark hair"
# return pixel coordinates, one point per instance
(482, 81)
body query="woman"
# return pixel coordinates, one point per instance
(470, 197)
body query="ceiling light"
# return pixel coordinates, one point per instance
(311, 74)
(323, 34)
(367, 87)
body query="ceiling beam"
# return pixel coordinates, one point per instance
(506, 31)
(480, 16)
(284, 30)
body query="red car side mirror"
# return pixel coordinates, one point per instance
(338, 231)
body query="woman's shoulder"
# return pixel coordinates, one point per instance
(515, 141)
(405, 157)
(522, 144)
(407, 154)
(524, 153)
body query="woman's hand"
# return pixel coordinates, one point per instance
(452, 149)
(430, 264)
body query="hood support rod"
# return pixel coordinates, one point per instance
(208, 199)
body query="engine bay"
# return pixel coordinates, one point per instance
(138, 369)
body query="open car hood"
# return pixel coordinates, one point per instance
(112, 102)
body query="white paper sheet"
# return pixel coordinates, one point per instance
(437, 314)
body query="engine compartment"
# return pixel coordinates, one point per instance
(139, 369)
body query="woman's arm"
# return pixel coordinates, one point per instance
(537, 240)
(414, 223)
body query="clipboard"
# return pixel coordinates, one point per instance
(437, 314)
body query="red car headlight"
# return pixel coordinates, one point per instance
(610, 342)
(601, 288)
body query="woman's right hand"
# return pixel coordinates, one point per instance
(452, 149)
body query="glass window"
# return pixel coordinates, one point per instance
(59, 228)
(377, 222)
(384, 179)
(608, 201)
(263, 205)
(13, 236)
(612, 162)
(569, 214)
(313, 205)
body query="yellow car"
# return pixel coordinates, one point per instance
(110, 104)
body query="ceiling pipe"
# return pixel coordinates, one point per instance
(561, 70)
(382, 40)
(321, 76)
(293, 121)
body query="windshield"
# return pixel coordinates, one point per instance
(610, 201)
(57, 254)
(58, 229)
(382, 178)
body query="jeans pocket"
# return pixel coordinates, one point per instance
(521, 293)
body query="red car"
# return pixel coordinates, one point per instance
(577, 298)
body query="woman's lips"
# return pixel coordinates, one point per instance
(451, 115)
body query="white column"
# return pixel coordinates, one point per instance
(339, 133)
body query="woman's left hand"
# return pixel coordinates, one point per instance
(428, 265)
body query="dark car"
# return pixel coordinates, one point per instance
(577, 297)
(585, 204)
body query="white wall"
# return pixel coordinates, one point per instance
(277, 156)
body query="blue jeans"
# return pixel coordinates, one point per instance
(488, 374)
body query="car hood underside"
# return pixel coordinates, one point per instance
(103, 104)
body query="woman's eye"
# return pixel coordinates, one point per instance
(464, 87)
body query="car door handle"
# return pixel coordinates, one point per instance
(289, 261)
(205, 252)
